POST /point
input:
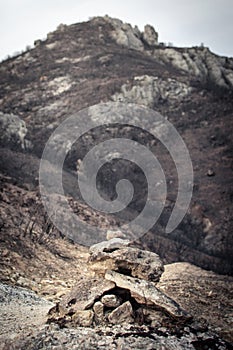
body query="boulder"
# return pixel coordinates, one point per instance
(122, 314)
(124, 34)
(118, 256)
(83, 318)
(85, 293)
(110, 300)
(108, 246)
(114, 234)
(150, 36)
(148, 291)
(98, 309)
(12, 131)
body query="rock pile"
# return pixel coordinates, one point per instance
(120, 290)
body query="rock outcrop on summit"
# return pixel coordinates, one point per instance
(198, 62)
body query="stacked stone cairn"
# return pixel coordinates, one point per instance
(120, 289)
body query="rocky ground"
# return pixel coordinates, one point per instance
(21, 310)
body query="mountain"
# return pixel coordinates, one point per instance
(105, 62)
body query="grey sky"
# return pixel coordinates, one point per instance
(182, 22)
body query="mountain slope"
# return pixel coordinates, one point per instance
(106, 60)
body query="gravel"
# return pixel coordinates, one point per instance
(20, 310)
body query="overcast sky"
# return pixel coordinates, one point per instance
(182, 22)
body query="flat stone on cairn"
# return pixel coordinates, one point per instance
(117, 255)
